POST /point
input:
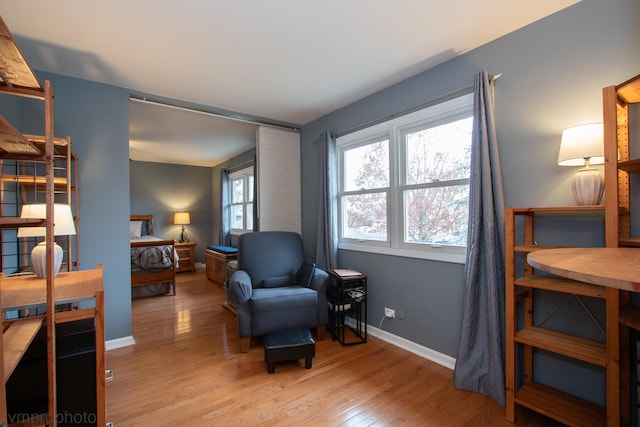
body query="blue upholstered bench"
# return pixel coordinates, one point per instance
(293, 344)
(223, 249)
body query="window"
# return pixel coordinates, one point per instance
(404, 183)
(241, 201)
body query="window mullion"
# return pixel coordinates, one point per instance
(395, 197)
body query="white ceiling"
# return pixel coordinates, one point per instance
(286, 60)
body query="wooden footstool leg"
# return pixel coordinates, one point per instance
(271, 367)
(307, 363)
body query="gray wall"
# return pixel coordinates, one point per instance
(96, 116)
(163, 189)
(553, 74)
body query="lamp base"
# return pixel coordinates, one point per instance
(39, 259)
(184, 237)
(588, 186)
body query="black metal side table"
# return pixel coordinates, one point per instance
(347, 295)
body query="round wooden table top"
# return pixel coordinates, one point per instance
(610, 267)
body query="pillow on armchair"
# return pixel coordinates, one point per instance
(276, 282)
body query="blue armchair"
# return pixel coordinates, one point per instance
(274, 289)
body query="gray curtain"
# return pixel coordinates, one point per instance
(480, 361)
(256, 219)
(327, 232)
(224, 236)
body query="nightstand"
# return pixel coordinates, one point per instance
(186, 256)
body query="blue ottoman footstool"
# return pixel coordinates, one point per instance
(293, 344)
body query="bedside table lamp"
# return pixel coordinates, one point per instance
(63, 226)
(182, 218)
(583, 146)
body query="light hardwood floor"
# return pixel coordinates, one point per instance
(186, 370)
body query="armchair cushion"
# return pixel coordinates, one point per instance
(282, 298)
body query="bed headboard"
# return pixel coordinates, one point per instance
(147, 224)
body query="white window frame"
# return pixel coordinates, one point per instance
(394, 129)
(244, 174)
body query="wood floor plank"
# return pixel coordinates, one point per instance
(186, 369)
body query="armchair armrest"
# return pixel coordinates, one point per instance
(240, 290)
(320, 282)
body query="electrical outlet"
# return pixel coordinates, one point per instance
(389, 312)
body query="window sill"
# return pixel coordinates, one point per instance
(433, 255)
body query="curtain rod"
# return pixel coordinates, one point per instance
(416, 107)
(189, 109)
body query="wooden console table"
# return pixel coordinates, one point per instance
(611, 267)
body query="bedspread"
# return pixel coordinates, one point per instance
(151, 258)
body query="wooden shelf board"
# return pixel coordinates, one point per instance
(531, 248)
(558, 209)
(16, 339)
(630, 317)
(579, 348)
(630, 241)
(559, 284)
(27, 158)
(629, 91)
(33, 180)
(60, 145)
(26, 291)
(16, 72)
(629, 165)
(14, 222)
(561, 406)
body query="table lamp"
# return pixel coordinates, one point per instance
(583, 146)
(63, 226)
(182, 218)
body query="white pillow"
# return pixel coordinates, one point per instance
(135, 229)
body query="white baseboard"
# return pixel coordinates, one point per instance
(417, 349)
(120, 342)
(199, 265)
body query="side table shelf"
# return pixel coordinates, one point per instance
(347, 295)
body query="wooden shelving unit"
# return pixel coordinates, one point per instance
(622, 161)
(68, 291)
(521, 386)
(23, 182)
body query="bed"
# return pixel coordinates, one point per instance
(153, 260)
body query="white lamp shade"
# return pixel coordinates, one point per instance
(580, 142)
(62, 218)
(182, 218)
